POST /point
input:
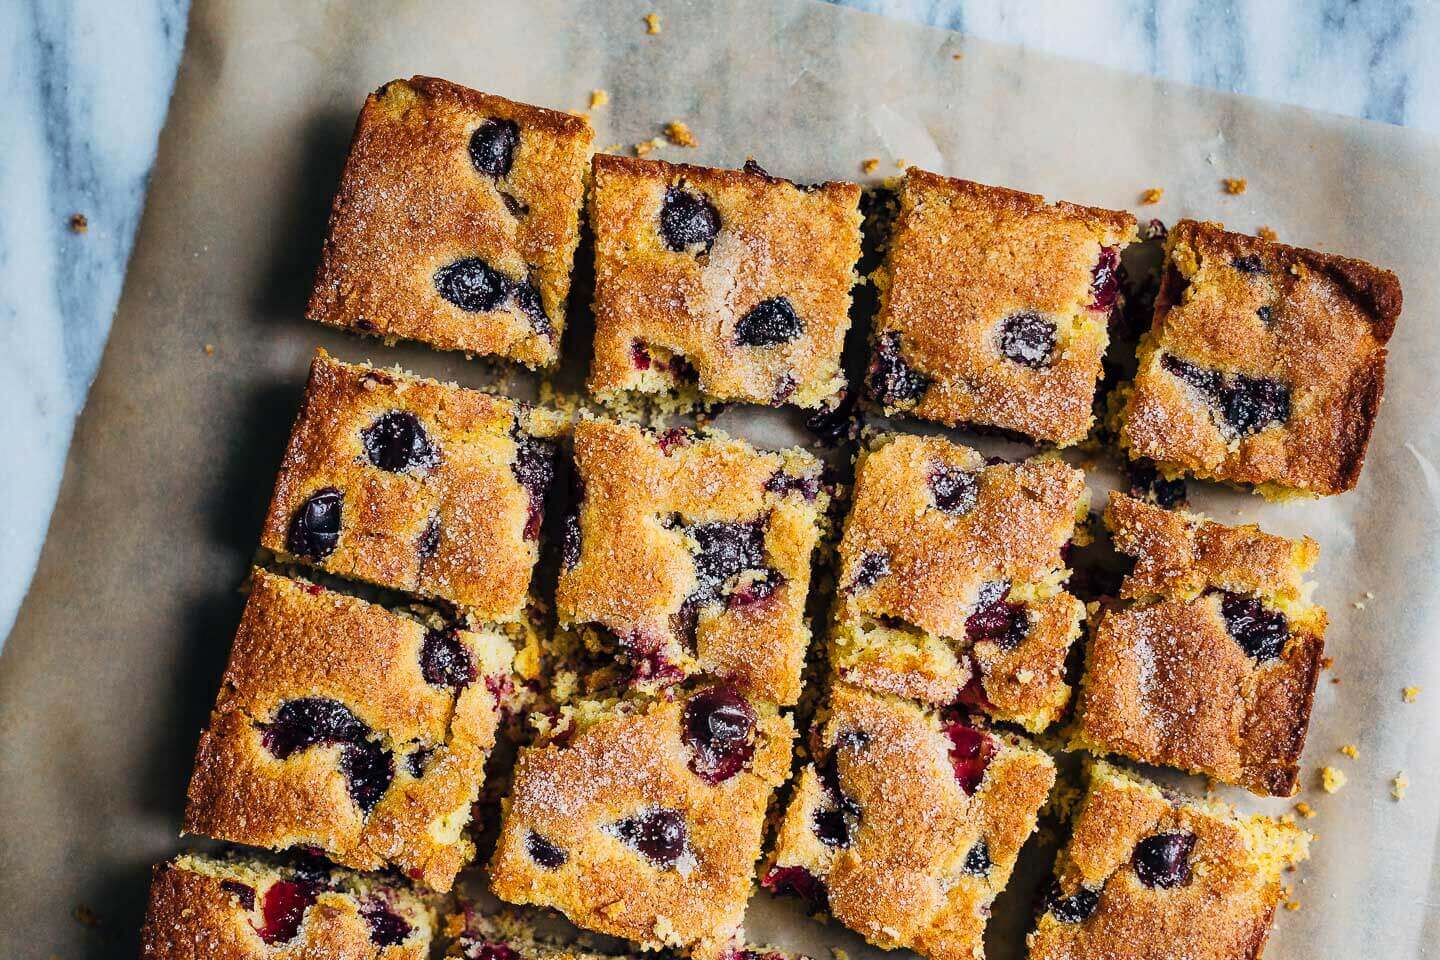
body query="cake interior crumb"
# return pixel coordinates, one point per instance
(652, 23)
(1152, 195)
(1236, 185)
(1332, 779)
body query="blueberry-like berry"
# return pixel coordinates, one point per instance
(1249, 263)
(244, 893)
(797, 882)
(534, 469)
(1266, 315)
(429, 543)
(646, 652)
(1105, 279)
(724, 550)
(753, 592)
(996, 619)
(284, 908)
(892, 381)
(570, 540)
(955, 490)
(418, 760)
(769, 322)
(719, 728)
(315, 529)
(837, 421)
(1028, 339)
(688, 220)
(872, 566)
(1163, 860)
(472, 285)
(492, 146)
(660, 835)
(369, 770)
(1208, 382)
(1262, 633)
(977, 861)
(836, 821)
(807, 485)
(445, 661)
(311, 721)
(1148, 483)
(397, 441)
(1247, 404)
(387, 928)
(1076, 908)
(527, 298)
(970, 753)
(639, 355)
(543, 852)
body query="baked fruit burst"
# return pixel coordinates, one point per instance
(456, 222)
(1148, 875)
(348, 728)
(690, 553)
(642, 818)
(1210, 660)
(415, 485)
(251, 908)
(951, 579)
(720, 284)
(908, 822)
(1264, 366)
(995, 308)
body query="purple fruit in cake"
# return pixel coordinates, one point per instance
(808, 485)
(1105, 279)
(543, 852)
(492, 146)
(797, 882)
(640, 356)
(429, 543)
(527, 298)
(872, 566)
(768, 323)
(1208, 382)
(1250, 404)
(1148, 483)
(570, 540)
(315, 529)
(244, 893)
(534, 469)
(836, 422)
(1266, 315)
(1262, 633)
(977, 861)
(970, 753)
(837, 820)
(387, 928)
(892, 381)
(308, 721)
(688, 220)
(996, 619)
(397, 442)
(724, 550)
(445, 661)
(719, 729)
(418, 760)
(369, 770)
(1249, 263)
(283, 908)
(472, 285)
(1163, 860)
(660, 835)
(954, 490)
(1028, 339)
(1075, 908)
(755, 591)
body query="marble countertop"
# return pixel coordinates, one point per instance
(90, 82)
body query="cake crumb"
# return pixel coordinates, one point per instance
(1152, 195)
(1305, 810)
(645, 146)
(1358, 604)
(1332, 779)
(1410, 694)
(1265, 233)
(1350, 751)
(1327, 663)
(1025, 676)
(957, 56)
(678, 133)
(598, 98)
(1399, 785)
(1292, 905)
(901, 163)
(209, 349)
(869, 164)
(652, 23)
(582, 114)
(1236, 185)
(79, 223)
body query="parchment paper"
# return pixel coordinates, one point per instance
(114, 662)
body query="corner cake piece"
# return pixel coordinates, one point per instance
(351, 729)
(251, 908)
(907, 824)
(732, 283)
(1148, 874)
(690, 554)
(1265, 363)
(644, 819)
(995, 308)
(1210, 665)
(951, 579)
(456, 222)
(415, 485)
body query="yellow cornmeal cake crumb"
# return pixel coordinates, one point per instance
(209, 349)
(645, 146)
(1265, 233)
(1350, 751)
(1410, 694)
(901, 163)
(869, 165)
(1236, 185)
(652, 23)
(679, 133)
(1399, 785)
(79, 223)
(1332, 779)
(598, 98)
(1152, 195)
(1292, 905)
(1304, 809)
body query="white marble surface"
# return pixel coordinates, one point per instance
(89, 80)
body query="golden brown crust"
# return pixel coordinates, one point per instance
(901, 880)
(411, 202)
(197, 911)
(645, 500)
(462, 529)
(1222, 912)
(298, 641)
(776, 239)
(1314, 322)
(907, 632)
(574, 795)
(965, 256)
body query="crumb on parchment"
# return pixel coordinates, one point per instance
(1332, 779)
(869, 164)
(1410, 694)
(1399, 785)
(679, 133)
(1236, 185)
(79, 223)
(1350, 750)
(652, 23)
(598, 98)
(1265, 233)
(209, 349)
(1304, 809)
(645, 146)
(1152, 195)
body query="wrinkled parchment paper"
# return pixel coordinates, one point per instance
(113, 665)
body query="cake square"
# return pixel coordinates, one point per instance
(995, 308)
(351, 729)
(951, 579)
(415, 485)
(643, 818)
(1210, 663)
(251, 908)
(720, 284)
(690, 554)
(1148, 874)
(1265, 363)
(907, 823)
(456, 222)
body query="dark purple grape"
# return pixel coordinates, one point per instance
(492, 146)
(1262, 633)
(872, 566)
(954, 490)
(769, 323)
(472, 285)
(397, 442)
(315, 529)
(543, 852)
(660, 835)
(387, 928)
(719, 729)
(445, 661)
(892, 381)
(1028, 339)
(1163, 860)
(688, 221)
